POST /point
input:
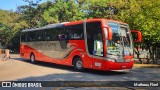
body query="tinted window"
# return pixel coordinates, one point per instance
(58, 33)
(40, 35)
(76, 32)
(62, 34)
(51, 35)
(32, 36)
(23, 37)
(26, 37)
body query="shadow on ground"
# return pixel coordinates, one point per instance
(69, 68)
(135, 74)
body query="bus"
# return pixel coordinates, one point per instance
(99, 44)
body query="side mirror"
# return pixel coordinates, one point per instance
(108, 33)
(137, 35)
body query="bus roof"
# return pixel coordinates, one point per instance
(94, 20)
(115, 21)
(70, 23)
(46, 27)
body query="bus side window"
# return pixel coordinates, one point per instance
(62, 34)
(40, 35)
(67, 32)
(55, 36)
(47, 35)
(44, 35)
(22, 37)
(76, 32)
(27, 36)
(51, 34)
(37, 36)
(32, 36)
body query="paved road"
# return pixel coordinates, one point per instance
(19, 69)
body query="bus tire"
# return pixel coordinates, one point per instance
(77, 64)
(32, 58)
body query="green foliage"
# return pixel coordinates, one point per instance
(63, 11)
(9, 26)
(4, 33)
(32, 12)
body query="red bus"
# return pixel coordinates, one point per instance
(98, 44)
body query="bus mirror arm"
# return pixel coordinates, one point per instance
(108, 33)
(137, 35)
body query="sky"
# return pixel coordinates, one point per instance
(13, 4)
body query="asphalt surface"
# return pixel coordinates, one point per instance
(19, 69)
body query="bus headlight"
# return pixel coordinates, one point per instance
(111, 59)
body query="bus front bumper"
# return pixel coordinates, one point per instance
(117, 65)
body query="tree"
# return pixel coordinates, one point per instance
(9, 26)
(4, 34)
(63, 11)
(149, 25)
(142, 15)
(32, 12)
(98, 8)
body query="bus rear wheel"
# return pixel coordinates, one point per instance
(77, 64)
(32, 58)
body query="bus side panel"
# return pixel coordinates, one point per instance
(80, 44)
(98, 64)
(40, 56)
(25, 51)
(21, 51)
(87, 62)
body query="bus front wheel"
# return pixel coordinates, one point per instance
(77, 64)
(32, 58)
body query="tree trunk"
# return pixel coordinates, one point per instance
(156, 59)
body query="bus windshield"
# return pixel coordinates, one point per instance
(121, 41)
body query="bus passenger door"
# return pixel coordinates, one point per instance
(94, 44)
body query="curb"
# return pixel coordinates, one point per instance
(146, 65)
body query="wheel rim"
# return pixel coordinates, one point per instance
(79, 64)
(32, 58)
